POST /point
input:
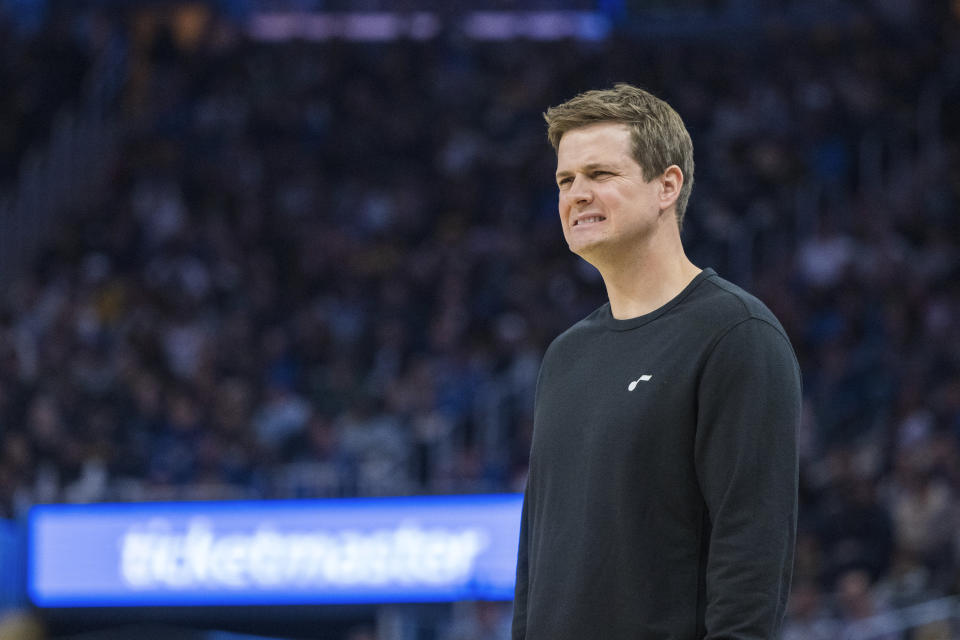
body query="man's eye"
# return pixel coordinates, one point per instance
(564, 181)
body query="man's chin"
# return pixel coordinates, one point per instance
(589, 251)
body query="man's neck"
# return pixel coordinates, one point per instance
(647, 281)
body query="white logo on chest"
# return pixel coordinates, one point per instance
(633, 383)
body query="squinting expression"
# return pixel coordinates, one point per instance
(607, 209)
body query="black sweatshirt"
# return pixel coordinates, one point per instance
(662, 495)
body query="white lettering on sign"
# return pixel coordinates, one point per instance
(156, 556)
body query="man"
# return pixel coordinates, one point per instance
(661, 498)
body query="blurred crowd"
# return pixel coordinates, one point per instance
(41, 73)
(330, 269)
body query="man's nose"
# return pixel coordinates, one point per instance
(580, 190)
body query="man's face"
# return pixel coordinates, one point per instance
(607, 209)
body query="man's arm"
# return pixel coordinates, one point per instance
(746, 461)
(519, 628)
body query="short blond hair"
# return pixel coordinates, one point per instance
(658, 135)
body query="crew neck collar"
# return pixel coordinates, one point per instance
(606, 315)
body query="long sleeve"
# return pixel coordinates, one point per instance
(519, 628)
(746, 465)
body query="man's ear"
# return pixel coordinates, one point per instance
(671, 182)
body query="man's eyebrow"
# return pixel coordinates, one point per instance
(588, 167)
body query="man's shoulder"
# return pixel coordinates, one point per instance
(581, 331)
(721, 304)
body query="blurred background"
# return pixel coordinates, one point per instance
(273, 249)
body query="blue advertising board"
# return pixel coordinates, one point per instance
(369, 550)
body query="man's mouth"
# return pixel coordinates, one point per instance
(588, 220)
